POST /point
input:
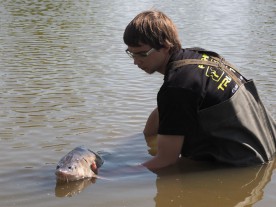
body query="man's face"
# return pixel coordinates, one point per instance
(149, 59)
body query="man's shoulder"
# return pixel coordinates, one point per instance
(187, 53)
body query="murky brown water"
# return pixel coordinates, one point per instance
(66, 81)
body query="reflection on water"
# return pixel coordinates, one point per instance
(66, 81)
(69, 189)
(217, 186)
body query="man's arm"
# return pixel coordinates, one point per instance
(152, 124)
(169, 149)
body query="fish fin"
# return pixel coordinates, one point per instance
(99, 159)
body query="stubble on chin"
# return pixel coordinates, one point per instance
(150, 71)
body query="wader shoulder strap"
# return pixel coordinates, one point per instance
(218, 63)
(214, 56)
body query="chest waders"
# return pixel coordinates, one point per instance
(240, 130)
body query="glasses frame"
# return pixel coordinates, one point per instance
(139, 54)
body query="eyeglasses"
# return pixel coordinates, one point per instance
(139, 54)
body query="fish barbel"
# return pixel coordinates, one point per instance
(78, 164)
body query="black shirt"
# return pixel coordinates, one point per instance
(188, 89)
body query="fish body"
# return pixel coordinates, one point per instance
(78, 164)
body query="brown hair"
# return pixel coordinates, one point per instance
(153, 28)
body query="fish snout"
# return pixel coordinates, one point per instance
(61, 174)
(65, 174)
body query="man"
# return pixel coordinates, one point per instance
(206, 110)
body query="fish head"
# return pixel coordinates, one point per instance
(78, 164)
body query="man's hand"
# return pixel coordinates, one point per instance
(169, 149)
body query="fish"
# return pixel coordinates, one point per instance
(80, 163)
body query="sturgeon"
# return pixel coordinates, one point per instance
(78, 164)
